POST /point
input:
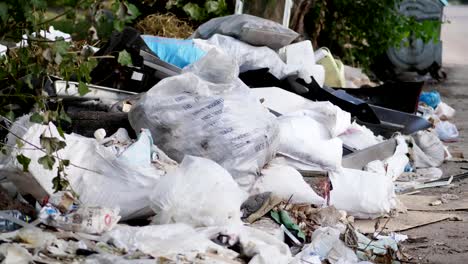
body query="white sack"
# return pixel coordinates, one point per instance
(198, 193)
(427, 150)
(359, 137)
(208, 112)
(309, 136)
(286, 182)
(393, 166)
(104, 177)
(362, 194)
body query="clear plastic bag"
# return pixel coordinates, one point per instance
(208, 112)
(198, 193)
(447, 131)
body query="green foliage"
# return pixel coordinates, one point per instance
(211, 8)
(360, 31)
(124, 14)
(23, 160)
(25, 70)
(124, 58)
(200, 10)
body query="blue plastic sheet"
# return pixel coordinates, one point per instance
(432, 99)
(178, 52)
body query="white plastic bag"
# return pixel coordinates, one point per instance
(447, 131)
(249, 57)
(132, 238)
(256, 244)
(444, 111)
(362, 194)
(101, 175)
(171, 242)
(286, 183)
(208, 112)
(326, 245)
(198, 193)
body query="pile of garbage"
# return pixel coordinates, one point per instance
(232, 147)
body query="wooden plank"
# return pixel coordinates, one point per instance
(422, 203)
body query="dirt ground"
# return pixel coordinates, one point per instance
(447, 241)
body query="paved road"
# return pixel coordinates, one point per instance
(447, 242)
(455, 35)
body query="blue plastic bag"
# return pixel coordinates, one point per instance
(432, 99)
(178, 52)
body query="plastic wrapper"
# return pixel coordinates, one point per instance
(90, 220)
(178, 52)
(249, 57)
(447, 131)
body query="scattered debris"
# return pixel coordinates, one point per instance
(216, 171)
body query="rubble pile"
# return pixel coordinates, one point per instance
(241, 152)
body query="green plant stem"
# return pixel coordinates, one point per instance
(42, 150)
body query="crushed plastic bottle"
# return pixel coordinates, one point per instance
(8, 226)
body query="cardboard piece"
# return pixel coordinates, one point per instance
(403, 222)
(422, 203)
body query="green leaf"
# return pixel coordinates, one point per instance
(47, 162)
(195, 11)
(124, 58)
(63, 116)
(211, 6)
(119, 25)
(65, 163)
(23, 160)
(82, 88)
(61, 47)
(52, 144)
(60, 131)
(36, 118)
(133, 11)
(19, 143)
(3, 11)
(10, 116)
(216, 7)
